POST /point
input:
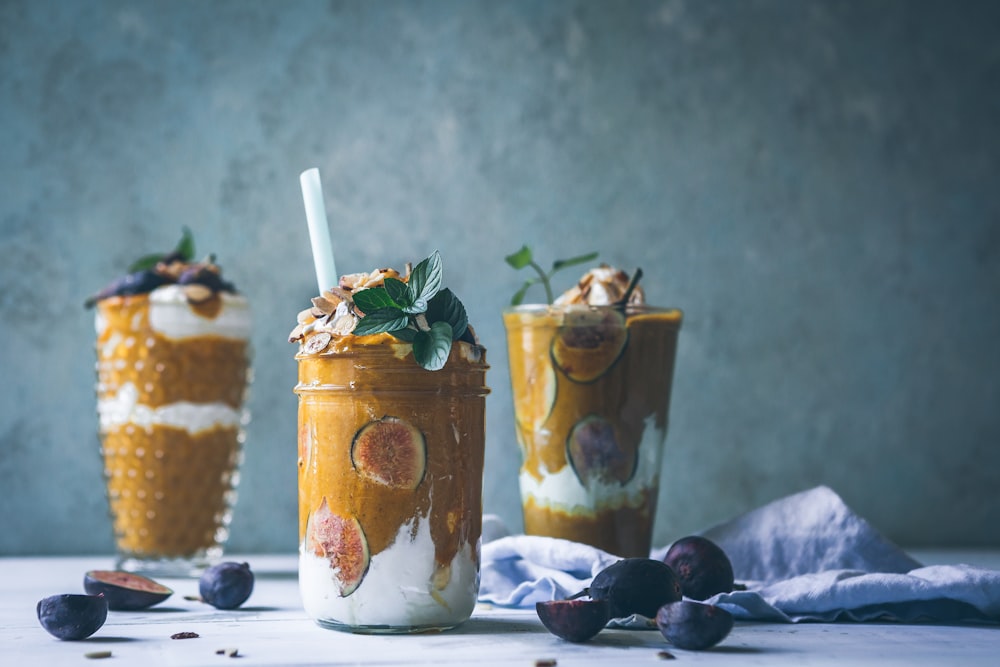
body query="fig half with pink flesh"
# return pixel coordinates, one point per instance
(598, 454)
(341, 541)
(125, 591)
(589, 343)
(390, 451)
(574, 620)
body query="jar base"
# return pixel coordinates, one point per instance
(385, 629)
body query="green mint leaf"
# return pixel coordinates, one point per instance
(518, 297)
(406, 335)
(425, 279)
(383, 320)
(398, 292)
(573, 261)
(445, 307)
(520, 259)
(418, 306)
(145, 263)
(185, 248)
(373, 299)
(524, 257)
(431, 348)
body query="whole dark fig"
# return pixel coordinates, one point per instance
(636, 586)
(72, 617)
(574, 620)
(693, 626)
(701, 566)
(226, 585)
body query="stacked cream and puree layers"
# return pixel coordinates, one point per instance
(173, 368)
(390, 472)
(591, 379)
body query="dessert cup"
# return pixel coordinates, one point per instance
(591, 388)
(172, 375)
(390, 483)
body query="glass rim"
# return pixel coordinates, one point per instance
(630, 309)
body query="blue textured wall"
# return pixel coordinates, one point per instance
(815, 184)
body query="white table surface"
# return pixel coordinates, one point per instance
(272, 629)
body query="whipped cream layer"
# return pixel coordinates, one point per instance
(124, 408)
(399, 588)
(564, 492)
(171, 315)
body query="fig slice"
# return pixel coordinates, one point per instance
(574, 620)
(341, 541)
(589, 343)
(534, 393)
(390, 451)
(125, 591)
(597, 453)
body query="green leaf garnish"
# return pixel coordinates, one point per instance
(418, 312)
(184, 251)
(431, 347)
(524, 258)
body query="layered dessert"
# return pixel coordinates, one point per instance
(390, 458)
(591, 376)
(172, 370)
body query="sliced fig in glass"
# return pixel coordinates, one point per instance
(701, 566)
(574, 620)
(693, 626)
(534, 393)
(635, 586)
(596, 452)
(589, 343)
(342, 542)
(390, 451)
(125, 591)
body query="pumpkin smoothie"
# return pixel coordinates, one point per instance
(390, 458)
(591, 382)
(172, 371)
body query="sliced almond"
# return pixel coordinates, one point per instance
(196, 293)
(305, 316)
(327, 307)
(317, 343)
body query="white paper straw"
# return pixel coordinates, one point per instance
(319, 229)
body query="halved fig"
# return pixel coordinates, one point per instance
(125, 591)
(534, 393)
(597, 453)
(391, 452)
(341, 541)
(589, 343)
(574, 620)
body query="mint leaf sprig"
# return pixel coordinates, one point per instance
(523, 258)
(419, 312)
(184, 252)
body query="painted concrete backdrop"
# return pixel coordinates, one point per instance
(814, 183)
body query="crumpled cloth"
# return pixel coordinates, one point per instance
(805, 557)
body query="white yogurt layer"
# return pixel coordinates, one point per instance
(564, 492)
(171, 315)
(398, 589)
(124, 408)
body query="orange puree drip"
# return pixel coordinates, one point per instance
(633, 388)
(363, 379)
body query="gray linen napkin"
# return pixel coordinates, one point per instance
(805, 557)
